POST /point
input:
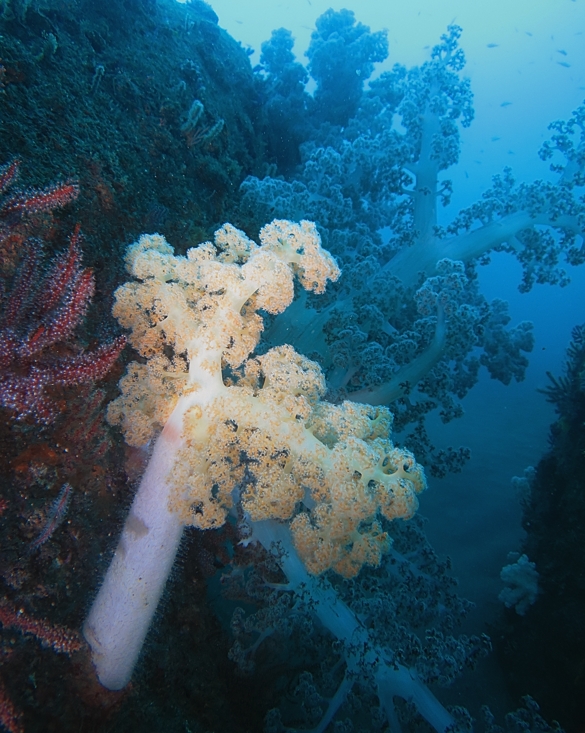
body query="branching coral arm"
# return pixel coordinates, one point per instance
(406, 377)
(392, 679)
(422, 257)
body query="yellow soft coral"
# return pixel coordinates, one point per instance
(313, 265)
(202, 309)
(234, 430)
(267, 437)
(268, 444)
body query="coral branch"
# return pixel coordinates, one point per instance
(10, 717)
(59, 638)
(8, 174)
(35, 200)
(66, 268)
(18, 299)
(88, 367)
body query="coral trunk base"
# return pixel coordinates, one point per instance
(125, 605)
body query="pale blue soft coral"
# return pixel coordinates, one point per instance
(520, 577)
(341, 56)
(373, 186)
(382, 638)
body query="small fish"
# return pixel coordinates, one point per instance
(505, 104)
(55, 516)
(493, 45)
(528, 33)
(495, 138)
(560, 50)
(564, 63)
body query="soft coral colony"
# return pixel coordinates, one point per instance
(317, 478)
(383, 339)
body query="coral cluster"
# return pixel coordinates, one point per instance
(191, 317)
(37, 317)
(521, 580)
(373, 183)
(315, 483)
(336, 458)
(52, 435)
(42, 310)
(311, 493)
